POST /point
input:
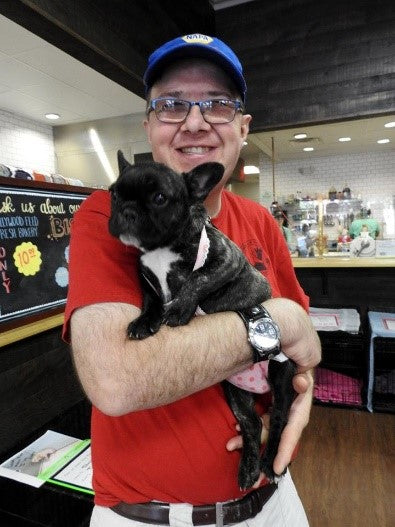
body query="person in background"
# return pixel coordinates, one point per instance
(165, 446)
(282, 221)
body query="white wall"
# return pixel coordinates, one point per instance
(76, 155)
(26, 144)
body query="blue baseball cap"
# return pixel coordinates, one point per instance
(200, 46)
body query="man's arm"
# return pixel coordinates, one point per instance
(121, 375)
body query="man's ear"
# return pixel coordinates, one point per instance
(147, 128)
(122, 163)
(202, 179)
(245, 127)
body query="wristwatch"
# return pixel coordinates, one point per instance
(263, 333)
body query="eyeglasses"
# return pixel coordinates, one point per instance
(214, 111)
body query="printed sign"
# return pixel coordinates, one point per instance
(34, 249)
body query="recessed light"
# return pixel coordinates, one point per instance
(390, 125)
(52, 116)
(251, 169)
(308, 149)
(344, 139)
(300, 136)
(383, 141)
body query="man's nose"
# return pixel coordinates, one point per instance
(194, 121)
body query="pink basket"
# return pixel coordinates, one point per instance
(332, 387)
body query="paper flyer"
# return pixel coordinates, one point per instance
(50, 458)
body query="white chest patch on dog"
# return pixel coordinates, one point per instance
(129, 240)
(159, 262)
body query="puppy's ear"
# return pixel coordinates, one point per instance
(122, 163)
(202, 179)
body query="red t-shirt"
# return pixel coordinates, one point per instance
(173, 453)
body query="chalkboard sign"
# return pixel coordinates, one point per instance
(34, 249)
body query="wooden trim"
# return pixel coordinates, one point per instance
(22, 332)
(338, 261)
(43, 185)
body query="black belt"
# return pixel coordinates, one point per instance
(233, 511)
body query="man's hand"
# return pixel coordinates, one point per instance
(298, 419)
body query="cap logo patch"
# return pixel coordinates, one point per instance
(197, 38)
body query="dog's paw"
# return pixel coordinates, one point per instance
(249, 473)
(141, 328)
(177, 314)
(267, 469)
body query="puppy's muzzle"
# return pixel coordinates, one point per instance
(128, 215)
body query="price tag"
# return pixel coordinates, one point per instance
(27, 258)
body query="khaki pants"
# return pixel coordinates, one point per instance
(284, 509)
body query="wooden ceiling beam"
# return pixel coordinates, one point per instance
(114, 38)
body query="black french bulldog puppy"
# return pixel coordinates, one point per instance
(161, 213)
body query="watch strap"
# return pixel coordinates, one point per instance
(250, 315)
(253, 313)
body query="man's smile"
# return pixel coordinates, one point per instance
(195, 149)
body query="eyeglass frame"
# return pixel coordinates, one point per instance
(239, 107)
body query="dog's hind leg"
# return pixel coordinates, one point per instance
(242, 404)
(280, 375)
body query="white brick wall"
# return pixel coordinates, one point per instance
(370, 176)
(26, 144)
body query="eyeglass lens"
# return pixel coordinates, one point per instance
(213, 111)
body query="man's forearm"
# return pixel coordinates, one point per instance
(121, 376)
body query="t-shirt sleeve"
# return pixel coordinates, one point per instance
(101, 268)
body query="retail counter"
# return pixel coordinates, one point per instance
(336, 281)
(337, 261)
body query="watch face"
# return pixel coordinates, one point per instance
(264, 335)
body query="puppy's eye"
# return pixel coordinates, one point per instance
(159, 199)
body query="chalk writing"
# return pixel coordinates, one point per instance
(28, 207)
(59, 227)
(48, 208)
(7, 206)
(6, 280)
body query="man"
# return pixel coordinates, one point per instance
(161, 429)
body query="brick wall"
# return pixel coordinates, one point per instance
(26, 144)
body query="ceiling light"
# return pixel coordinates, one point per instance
(383, 141)
(390, 125)
(52, 116)
(308, 149)
(300, 136)
(251, 169)
(344, 139)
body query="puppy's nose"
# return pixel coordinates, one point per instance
(129, 214)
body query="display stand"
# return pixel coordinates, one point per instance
(341, 374)
(381, 382)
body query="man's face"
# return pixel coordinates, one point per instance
(183, 146)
